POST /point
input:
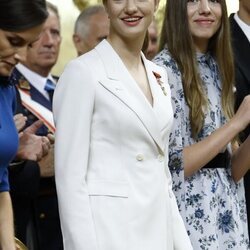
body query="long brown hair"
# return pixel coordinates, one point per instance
(178, 38)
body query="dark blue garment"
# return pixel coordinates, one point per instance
(34, 198)
(8, 132)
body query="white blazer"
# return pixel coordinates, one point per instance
(111, 156)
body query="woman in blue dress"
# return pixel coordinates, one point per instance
(20, 24)
(205, 158)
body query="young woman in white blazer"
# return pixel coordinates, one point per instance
(113, 116)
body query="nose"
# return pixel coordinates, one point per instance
(131, 7)
(47, 38)
(204, 7)
(20, 53)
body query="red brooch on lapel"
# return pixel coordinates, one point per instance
(159, 81)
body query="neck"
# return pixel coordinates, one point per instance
(44, 72)
(128, 51)
(244, 15)
(201, 46)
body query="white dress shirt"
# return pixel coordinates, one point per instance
(35, 79)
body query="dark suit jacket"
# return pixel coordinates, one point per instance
(34, 198)
(241, 47)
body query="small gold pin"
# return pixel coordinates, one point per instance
(23, 84)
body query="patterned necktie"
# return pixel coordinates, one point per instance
(49, 87)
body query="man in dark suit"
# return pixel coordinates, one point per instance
(240, 28)
(32, 182)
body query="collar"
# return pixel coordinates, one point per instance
(245, 28)
(36, 80)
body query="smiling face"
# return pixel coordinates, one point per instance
(129, 19)
(13, 47)
(204, 18)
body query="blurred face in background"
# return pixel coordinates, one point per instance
(13, 47)
(43, 53)
(98, 30)
(152, 41)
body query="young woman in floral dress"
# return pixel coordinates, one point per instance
(205, 159)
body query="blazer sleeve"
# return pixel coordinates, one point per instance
(73, 108)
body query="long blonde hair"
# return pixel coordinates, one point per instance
(178, 38)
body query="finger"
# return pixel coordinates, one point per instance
(34, 127)
(51, 138)
(18, 116)
(45, 148)
(45, 140)
(39, 156)
(20, 134)
(20, 121)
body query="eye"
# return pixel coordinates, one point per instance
(214, 1)
(55, 33)
(193, 1)
(16, 41)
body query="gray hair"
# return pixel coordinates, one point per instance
(82, 22)
(52, 8)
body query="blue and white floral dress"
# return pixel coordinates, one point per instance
(212, 205)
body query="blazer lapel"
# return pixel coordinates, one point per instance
(120, 83)
(160, 96)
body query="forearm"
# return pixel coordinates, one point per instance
(199, 154)
(241, 160)
(6, 223)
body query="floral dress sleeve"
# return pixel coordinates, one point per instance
(176, 142)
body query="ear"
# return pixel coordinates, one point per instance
(76, 39)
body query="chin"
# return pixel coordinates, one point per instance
(48, 63)
(5, 71)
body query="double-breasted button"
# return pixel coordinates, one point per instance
(139, 157)
(160, 158)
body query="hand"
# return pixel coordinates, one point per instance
(51, 138)
(31, 146)
(20, 121)
(46, 164)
